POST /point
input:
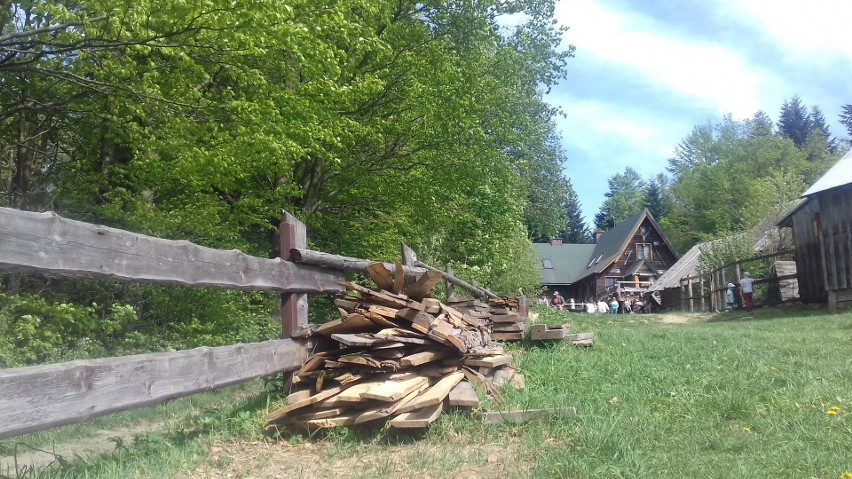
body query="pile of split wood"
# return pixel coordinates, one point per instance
(500, 313)
(398, 356)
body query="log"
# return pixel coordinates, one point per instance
(46, 243)
(344, 263)
(477, 291)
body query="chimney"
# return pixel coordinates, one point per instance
(598, 235)
(556, 241)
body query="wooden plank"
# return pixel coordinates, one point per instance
(423, 285)
(352, 395)
(418, 419)
(359, 340)
(507, 336)
(351, 323)
(316, 414)
(424, 357)
(463, 395)
(35, 398)
(540, 332)
(398, 278)
(580, 336)
(435, 394)
(422, 320)
(379, 412)
(508, 327)
(380, 275)
(46, 243)
(489, 361)
(394, 390)
(526, 415)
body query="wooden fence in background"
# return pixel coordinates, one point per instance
(706, 292)
(40, 397)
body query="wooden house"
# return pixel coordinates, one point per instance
(822, 233)
(626, 259)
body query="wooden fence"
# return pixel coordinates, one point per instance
(40, 397)
(706, 292)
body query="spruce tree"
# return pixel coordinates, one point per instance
(575, 230)
(794, 121)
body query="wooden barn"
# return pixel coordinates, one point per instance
(822, 232)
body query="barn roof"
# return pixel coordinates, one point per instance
(566, 261)
(838, 175)
(687, 265)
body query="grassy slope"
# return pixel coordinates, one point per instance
(738, 397)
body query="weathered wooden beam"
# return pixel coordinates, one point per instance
(476, 290)
(294, 307)
(40, 397)
(344, 263)
(46, 243)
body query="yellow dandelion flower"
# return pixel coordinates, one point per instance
(831, 412)
(746, 429)
(846, 475)
(835, 408)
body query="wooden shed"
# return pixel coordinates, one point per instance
(822, 232)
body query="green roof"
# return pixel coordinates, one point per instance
(567, 261)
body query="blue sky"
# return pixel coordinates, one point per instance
(645, 72)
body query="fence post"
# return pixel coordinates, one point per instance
(451, 288)
(689, 292)
(294, 307)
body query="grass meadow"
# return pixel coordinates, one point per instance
(765, 394)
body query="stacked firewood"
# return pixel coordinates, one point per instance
(399, 356)
(500, 313)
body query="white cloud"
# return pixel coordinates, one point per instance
(710, 74)
(804, 29)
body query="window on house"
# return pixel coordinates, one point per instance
(547, 264)
(610, 281)
(644, 251)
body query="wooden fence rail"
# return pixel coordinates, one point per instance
(708, 289)
(40, 397)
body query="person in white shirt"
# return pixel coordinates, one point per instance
(747, 285)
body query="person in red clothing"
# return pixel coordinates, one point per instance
(558, 302)
(747, 285)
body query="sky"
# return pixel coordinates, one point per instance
(645, 72)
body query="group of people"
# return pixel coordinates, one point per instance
(746, 289)
(630, 305)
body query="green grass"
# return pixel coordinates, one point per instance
(730, 395)
(734, 397)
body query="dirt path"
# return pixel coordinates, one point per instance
(92, 445)
(422, 459)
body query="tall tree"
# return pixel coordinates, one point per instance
(818, 125)
(846, 118)
(575, 229)
(654, 198)
(794, 121)
(624, 199)
(759, 125)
